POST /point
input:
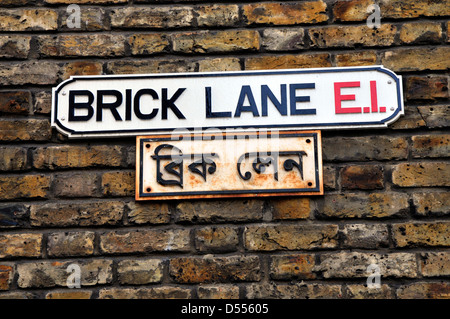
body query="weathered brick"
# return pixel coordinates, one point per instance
(348, 36)
(16, 102)
(118, 183)
(293, 291)
(421, 33)
(28, 19)
(365, 236)
(85, 1)
(73, 156)
(28, 186)
(219, 64)
(14, 215)
(287, 267)
(18, 295)
(435, 264)
(161, 17)
(362, 177)
(78, 184)
(215, 269)
(290, 237)
(151, 66)
(288, 61)
(431, 146)
(280, 13)
(424, 290)
(364, 292)
(216, 239)
(276, 39)
(421, 234)
(218, 292)
(15, 2)
(41, 73)
(430, 87)
(70, 294)
(148, 213)
(20, 245)
(366, 148)
(13, 159)
(421, 174)
(435, 116)
(54, 274)
(139, 272)
(42, 102)
(353, 10)
(6, 276)
(146, 44)
(220, 211)
(216, 41)
(25, 130)
(356, 58)
(16, 47)
(85, 45)
(81, 68)
(76, 214)
(414, 8)
(355, 264)
(167, 292)
(417, 59)
(91, 19)
(374, 205)
(412, 119)
(429, 204)
(70, 244)
(135, 241)
(217, 15)
(291, 208)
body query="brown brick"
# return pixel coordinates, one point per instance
(91, 19)
(421, 33)
(414, 8)
(355, 264)
(435, 264)
(139, 272)
(148, 213)
(76, 214)
(217, 15)
(353, 10)
(215, 269)
(15, 2)
(366, 148)
(287, 267)
(290, 237)
(16, 102)
(29, 186)
(428, 87)
(424, 290)
(6, 276)
(85, 1)
(220, 211)
(280, 13)
(42, 102)
(374, 205)
(70, 244)
(16, 47)
(151, 66)
(57, 157)
(161, 17)
(337, 36)
(421, 174)
(41, 73)
(25, 130)
(135, 241)
(365, 236)
(277, 39)
(70, 294)
(18, 295)
(20, 245)
(293, 291)
(428, 204)
(417, 59)
(362, 177)
(421, 234)
(216, 239)
(167, 292)
(28, 19)
(412, 119)
(435, 116)
(81, 68)
(356, 58)
(78, 184)
(146, 44)
(288, 61)
(219, 64)
(13, 159)
(431, 146)
(291, 208)
(364, 292)
(101, 45)
(54, 273)
(216, 41)
(118, 183)
(218, 292)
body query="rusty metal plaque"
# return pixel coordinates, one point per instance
(250, 164)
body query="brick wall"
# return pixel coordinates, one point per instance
(66, 202)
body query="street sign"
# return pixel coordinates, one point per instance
(323, 98)
(229, 165)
